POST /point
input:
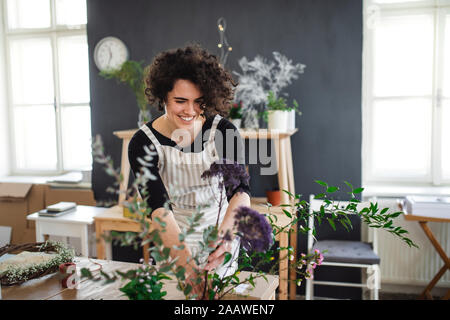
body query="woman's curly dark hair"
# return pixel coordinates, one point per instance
(197, 65)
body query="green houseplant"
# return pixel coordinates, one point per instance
(278, 114)
(131, 73)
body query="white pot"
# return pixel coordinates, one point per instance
(278, 120)
(236, 122)
(291, 120)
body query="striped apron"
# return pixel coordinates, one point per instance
(181, 174)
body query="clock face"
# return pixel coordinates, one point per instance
(110, 53)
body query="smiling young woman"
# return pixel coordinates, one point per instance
(194, 92)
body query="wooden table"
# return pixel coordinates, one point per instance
(423, 222)
(49, 287)
(73, 224)
(283, 150)
(112, 219)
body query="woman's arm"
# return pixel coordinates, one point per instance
(170, 238)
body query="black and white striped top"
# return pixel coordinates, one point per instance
(230, 146)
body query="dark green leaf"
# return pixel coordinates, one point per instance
(349, 185)
(358, 190)
(332, 189)
(287, 213)
(322, 183)
(227, 257)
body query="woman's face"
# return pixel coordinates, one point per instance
(183, 106)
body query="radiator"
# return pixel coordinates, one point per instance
(401, 264)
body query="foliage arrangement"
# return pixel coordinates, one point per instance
(236, 110)
(19, 274)
(257, 233)
(131, 73)
(260, 76)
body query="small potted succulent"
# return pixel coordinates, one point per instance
(278, 114)
(236, 114)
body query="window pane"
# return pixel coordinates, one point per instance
(32, 71)
(403, 55)
(35, 139)
(28, 14)
(446, 140)
(76, 137)
(446, 85)
(73, 69)
(401, 134)
(71, 12)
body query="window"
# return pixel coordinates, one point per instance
(406, 92)
(48, 76)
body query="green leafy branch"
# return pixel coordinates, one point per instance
(131, 73)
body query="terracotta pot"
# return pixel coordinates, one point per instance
(274, 197)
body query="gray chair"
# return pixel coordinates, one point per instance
(5, 235)
(344, 253)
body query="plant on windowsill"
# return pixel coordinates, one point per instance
(131, 74)
(235, 114)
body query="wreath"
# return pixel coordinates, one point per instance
(19, 274)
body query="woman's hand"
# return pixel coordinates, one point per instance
(217, 257)
(191, 277)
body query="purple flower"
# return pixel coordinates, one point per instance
(231, 175)
(253, 228)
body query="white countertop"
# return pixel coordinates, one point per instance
(82, 215)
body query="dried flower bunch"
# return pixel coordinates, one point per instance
(260, 76)
(253, 229)
(256, 231)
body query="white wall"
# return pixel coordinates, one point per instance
(4, 123)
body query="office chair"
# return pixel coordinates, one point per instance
(344, 253)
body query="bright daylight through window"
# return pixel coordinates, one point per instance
(406, 92)
(48, 73)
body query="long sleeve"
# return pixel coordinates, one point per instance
(157, 193)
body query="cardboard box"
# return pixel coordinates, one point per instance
(17, 200)
(79, 196)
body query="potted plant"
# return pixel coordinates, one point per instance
(274, 197)
(131, 73)
(278, 114)
(258, 77)
(291, 117)
(236, 114)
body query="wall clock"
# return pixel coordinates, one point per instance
(110, 53)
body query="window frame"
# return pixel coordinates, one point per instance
(52, 33)
(438, 9)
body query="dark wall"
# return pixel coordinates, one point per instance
(325, 35)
